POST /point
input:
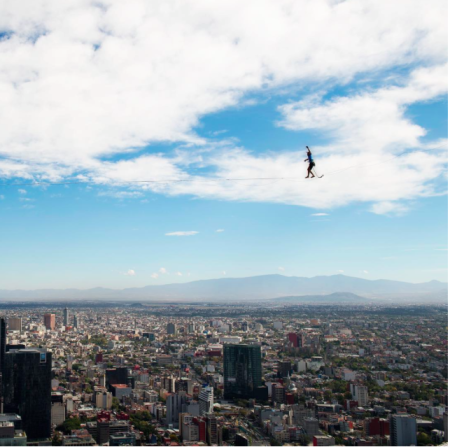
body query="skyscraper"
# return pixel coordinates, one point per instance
(206, 400)
(175, 404)
(242, 370)
(75, 321)
(27, 389)
(2, 358)
(2, 343)
(66, 317)
(49, 321)
(403, 429)
(15, 324)
(171, 329)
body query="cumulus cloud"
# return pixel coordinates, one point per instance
(182, 233)
(281, 269)
(154, 275)
(130, 273)
(220, 230)
(340, 271)
(179, 274)
(365, 272)
(163, 271)
(319, 214)
(22, 191)
(86, 86)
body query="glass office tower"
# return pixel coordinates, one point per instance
(242, 370)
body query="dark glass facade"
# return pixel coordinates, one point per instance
(27, 389)
(242, 370)
(116, 376)
(2, 341)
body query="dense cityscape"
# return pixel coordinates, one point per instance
(223, 374)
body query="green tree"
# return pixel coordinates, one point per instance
(115, 404)
(423, 439)
(69, 424)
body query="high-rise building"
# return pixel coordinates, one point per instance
(15, 324)
(376, 427)
(169, 383)
(311, 426)
(66, 317)
(171, 329)
(175, 404)
(27, 389)
(150, 336)
(242, 370)
(115, 376)
(58, 409)
(212, 430)
(284, 368)
(293, 339)
(2, 358)
(206, 400)
(403, 429)
(2, 343)
(49, 322)
(278, 393)
(103, 400)
(75, 321)
(360, 393)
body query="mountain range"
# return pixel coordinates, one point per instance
(255, 287)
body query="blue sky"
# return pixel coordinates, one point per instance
(205, 109)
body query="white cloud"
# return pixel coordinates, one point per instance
(65, 63)
(130, 273)
(220, 230)
(224, 273)
(281, 269)
(121, 194)
(365, 272)
(22, 191)
(182, 233)
(389, 208)
(320, 214)
(340, 271)
(2, 197)
(163, 271)
(179, 274)
(154, 275)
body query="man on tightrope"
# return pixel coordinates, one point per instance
(311, 163)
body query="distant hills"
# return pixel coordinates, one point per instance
(255, 287)
(333, 298)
